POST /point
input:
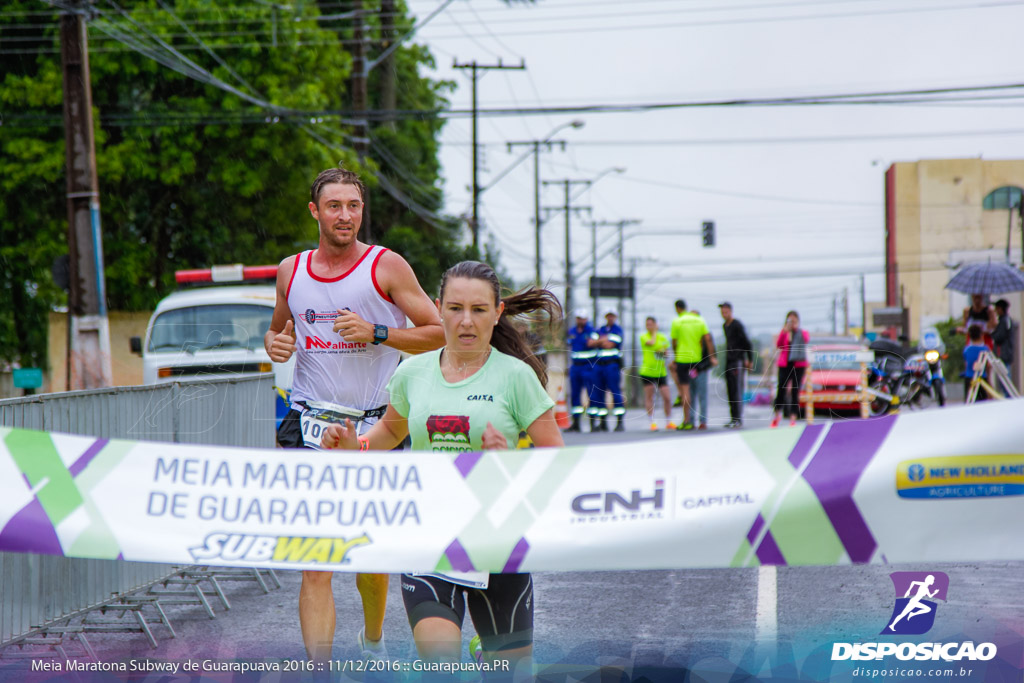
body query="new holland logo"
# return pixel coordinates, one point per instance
(971, 476)
(255, 548)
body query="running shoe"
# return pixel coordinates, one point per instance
(476, 651)
(670, 425)
(371, 649)
(678, 402)
(775, 422)
(685, 427)
(792, 422)
(654, 426)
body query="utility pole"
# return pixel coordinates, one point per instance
(536, 146)
(863, 308)
(568, 208)
(474, 68)
(388, 77)
(361, 132)
(88, 353)
(846, 310)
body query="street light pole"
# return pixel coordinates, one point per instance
(568, 208)
(534, 147)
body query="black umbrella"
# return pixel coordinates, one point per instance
(987, 278)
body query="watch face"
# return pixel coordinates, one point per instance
(380, 333)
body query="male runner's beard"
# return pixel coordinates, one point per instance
(340, 234)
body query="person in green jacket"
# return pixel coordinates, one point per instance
(653, 373)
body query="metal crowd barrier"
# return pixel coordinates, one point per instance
(37, 591)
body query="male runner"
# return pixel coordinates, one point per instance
(342, 308)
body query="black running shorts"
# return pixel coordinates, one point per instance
(289, 434)
(502, 613)
(683, 372)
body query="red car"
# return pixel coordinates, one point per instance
(836, 385)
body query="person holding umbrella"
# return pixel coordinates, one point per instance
(980, 280)
(982, 315)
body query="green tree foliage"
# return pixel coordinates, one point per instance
(191, 175)
(953, 364)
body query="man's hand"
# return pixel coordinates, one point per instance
(748, 365)
(493, 440)
(352, 328)
(283, 346)
(340, 436)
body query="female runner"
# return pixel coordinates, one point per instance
(474, 394)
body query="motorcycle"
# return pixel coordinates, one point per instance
(884, 388)
(924, 382)
(885, 377)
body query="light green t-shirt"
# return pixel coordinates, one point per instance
(452, 417)
(688, 329)
(653, 364)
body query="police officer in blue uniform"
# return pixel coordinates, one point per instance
(583, 341)
(608, 373)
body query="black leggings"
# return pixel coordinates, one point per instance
(788, 397)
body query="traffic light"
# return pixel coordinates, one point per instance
(708, 233)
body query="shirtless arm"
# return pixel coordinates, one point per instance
(279, 341)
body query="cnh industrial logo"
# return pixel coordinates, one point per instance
(913, 613)
(610, 501)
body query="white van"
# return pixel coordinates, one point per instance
(215, 331)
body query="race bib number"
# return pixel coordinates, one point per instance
(319, 414)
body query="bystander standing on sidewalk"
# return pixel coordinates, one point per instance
(792, 344)
(653, 373)
(739, 355)
(1002, 335)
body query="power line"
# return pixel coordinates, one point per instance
(815, 139)
(619, 27)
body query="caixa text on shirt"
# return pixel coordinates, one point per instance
(616, 506)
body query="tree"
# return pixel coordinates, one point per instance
(191, 174)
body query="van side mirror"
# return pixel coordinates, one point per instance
(136, 344)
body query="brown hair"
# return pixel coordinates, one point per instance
(335, 175)
(506, 337)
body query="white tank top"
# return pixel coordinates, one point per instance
(327, 368)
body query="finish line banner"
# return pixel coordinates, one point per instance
(937, 486)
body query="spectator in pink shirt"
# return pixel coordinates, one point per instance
(793, 349)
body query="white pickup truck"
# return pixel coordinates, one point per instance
(215, 329)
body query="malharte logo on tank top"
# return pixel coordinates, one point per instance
(315, 344)
(449, 433)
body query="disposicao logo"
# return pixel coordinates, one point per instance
(916, 593)
(914, 614)
(972, 476)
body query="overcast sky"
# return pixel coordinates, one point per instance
(792, 189)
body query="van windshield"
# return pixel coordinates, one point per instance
(217, 326)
